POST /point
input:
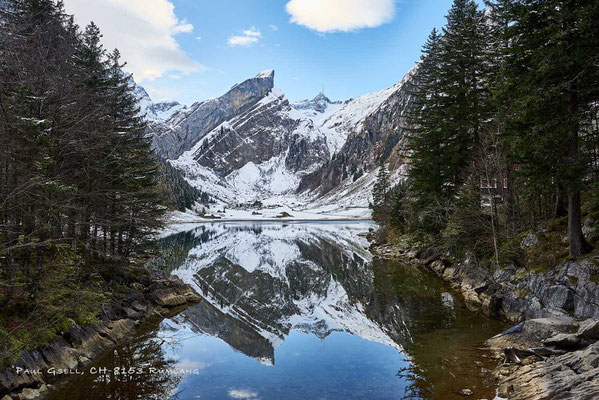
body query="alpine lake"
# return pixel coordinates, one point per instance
(297, 311)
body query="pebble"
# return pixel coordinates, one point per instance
(465, 392)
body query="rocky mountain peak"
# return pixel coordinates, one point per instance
(184, 129)
(266, 74)
(259, 85)
(251, 142)
(318, 104)
(321, 97)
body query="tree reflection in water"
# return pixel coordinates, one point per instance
(140, 370)
(299, 311)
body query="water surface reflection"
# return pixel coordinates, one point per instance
(303, 311)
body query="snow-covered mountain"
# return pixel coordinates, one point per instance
(253, 144)
(317, 109)
(156, 112)
(376, 128)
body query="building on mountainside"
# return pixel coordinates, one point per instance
(492, 189)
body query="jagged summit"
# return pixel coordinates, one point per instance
(252, 143)
(317, 105)
(263, 83)
(268, 73)
(321, 97)
(179, 133)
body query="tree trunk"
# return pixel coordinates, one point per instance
(11, 279)
(578, 244)
(559, 208)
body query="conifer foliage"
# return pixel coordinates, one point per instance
(76, 169)
(379, 193)
(503, 135)
(549, 85)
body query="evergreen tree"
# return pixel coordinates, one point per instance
(379, 193)
(549, 82)
(135, 195)
(179, 193)
(452, 103)
(429, 163)
(399, 210)
(461, 83)
(76, 168)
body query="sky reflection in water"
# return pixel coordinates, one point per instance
(302, 311)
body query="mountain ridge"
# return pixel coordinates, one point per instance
(252, 143)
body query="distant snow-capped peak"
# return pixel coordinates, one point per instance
(318, 105)
(156, 112)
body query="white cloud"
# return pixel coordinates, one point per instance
(188, 364)
(159, 93)
(274, 27)
(249, 37)
(243, 394)
(143, 30)
(182, 27)
(340, 15)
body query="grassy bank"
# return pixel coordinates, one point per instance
(68, 292)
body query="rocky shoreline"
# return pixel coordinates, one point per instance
(553, 351)
(155, 297)
(548, 358)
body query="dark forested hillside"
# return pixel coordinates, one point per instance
(79, 187)
(179, 193)
(504, 134)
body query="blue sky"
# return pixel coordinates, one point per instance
(190, 50)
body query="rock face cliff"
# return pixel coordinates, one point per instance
(267, 129)
(376, 127)
(253, 144)
(181, 131)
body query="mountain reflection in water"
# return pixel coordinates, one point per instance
(303, 311)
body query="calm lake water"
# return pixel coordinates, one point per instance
(297, 311)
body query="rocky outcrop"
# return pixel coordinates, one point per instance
(570, 288)
(34, 373)
(543, 361)
(516, 294)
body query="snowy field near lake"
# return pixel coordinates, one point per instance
(178, 221)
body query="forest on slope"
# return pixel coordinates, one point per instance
(81, 191)
(504, 134)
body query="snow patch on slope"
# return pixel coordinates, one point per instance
(253, 181)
